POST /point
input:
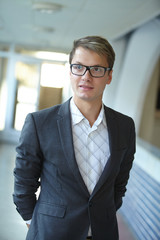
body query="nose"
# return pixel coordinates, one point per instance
(87, 76)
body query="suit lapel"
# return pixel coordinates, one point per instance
(113, 139)
(65, 131)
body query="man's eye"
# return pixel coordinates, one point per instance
(96, 69)
(79, 67)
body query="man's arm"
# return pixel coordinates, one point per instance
(126, 165)
(27, 170)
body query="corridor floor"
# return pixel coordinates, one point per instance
(12, 226)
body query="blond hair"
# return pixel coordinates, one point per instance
(97, 44)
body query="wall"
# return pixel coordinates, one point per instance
(142, 54)
(141, 207)
(150, 121)
(120, 48)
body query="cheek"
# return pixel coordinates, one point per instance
(102, 84)
(73, 81)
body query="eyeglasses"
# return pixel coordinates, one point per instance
(95, 71)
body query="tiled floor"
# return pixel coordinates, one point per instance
(12, 226)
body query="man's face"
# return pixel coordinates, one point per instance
(86, 87)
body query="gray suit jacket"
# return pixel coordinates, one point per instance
(65, 209)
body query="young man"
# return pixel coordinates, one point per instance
(79, 152)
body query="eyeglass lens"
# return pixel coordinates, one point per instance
(80, 70)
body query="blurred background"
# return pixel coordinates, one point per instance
(35, 40)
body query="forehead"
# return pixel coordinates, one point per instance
(89, 57)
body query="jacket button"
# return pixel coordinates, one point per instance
(90, 204)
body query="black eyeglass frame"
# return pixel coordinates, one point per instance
(88, 69)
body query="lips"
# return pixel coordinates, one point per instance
(85, 87)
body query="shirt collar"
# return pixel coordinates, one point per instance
(77, 116)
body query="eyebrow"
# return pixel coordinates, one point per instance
(96, 65)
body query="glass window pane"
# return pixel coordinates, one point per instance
(27, 91)
(53, 75)
(51, 85)
(22, 109)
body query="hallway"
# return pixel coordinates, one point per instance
(12, 226)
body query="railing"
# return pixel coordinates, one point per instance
(141, 205)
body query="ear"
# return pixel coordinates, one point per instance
(109, 77)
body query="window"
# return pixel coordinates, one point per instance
(26, 93)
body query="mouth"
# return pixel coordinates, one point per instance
(85, 87)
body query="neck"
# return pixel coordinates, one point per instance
(89, 110)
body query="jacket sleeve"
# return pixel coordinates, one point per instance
(27, 169)
(125, 167)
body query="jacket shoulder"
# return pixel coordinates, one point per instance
(55, 110)
(118, 115)
(49, 115)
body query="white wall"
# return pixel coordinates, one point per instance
(110, 92)
(141, 56)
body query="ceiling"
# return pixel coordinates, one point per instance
(20, 24)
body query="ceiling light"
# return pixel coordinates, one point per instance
(46, 7)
